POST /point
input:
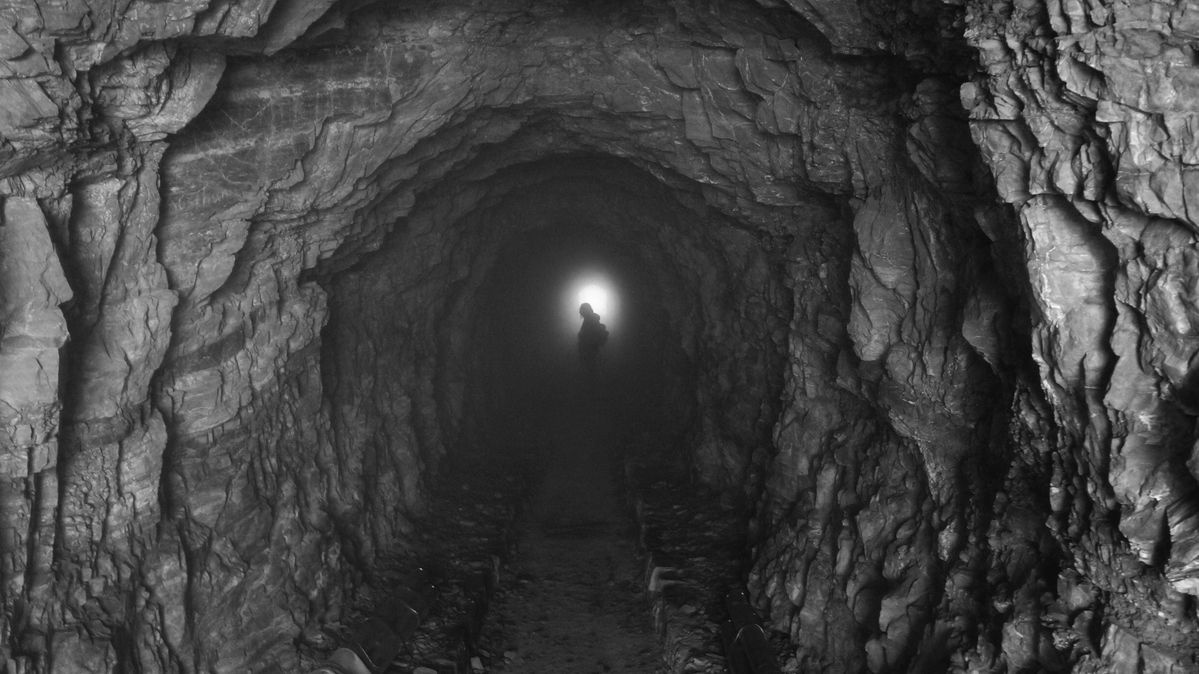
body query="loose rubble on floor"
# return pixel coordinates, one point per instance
(499, 590)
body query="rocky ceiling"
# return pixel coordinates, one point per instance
(922, 277)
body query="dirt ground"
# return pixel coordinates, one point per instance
(573, 601)
(577, 547)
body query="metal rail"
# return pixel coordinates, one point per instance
(746, 649)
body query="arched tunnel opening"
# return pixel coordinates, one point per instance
(525, 350)
(694, 322)
(684, 275)
(898, 373)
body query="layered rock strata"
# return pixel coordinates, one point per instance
(245, 249)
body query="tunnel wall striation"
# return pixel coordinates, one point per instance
(944, 355)
(1085, 115)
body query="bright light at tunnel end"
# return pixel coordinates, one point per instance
(597, 296)
(595, 287)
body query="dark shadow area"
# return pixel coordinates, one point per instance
(451, 357)
(577, 597)
(525, 343)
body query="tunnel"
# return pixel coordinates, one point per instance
(900, 328)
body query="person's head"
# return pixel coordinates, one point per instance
(585, 309)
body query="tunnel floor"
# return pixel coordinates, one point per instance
(571, 541)
(575, 601)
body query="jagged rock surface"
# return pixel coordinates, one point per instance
(1083, 112)
(244, 244)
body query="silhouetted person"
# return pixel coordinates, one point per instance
(592, 336)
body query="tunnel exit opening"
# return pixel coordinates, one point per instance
(527, 337)
(596, 296)
(460, 331)
(596, 288)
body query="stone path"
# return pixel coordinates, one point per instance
(573, 601)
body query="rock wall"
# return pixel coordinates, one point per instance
(244, 253)
(872, 549)
(218, 464)
(1083, 111)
